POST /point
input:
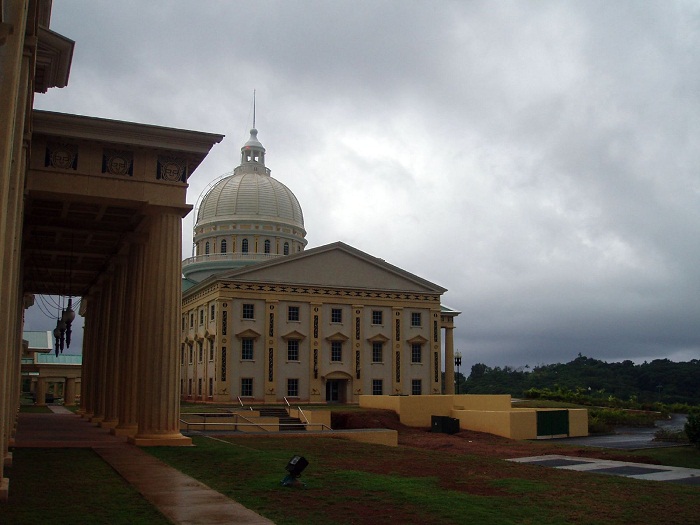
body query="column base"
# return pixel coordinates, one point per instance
(11, 442)
(7, 462)
(108, 423)
(129, 431)
(97, 420)
(166, 440)
(4, 489)
(86, 415)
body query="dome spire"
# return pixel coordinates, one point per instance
(253, 151)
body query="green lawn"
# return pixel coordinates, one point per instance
(357, 483)
(71, 486)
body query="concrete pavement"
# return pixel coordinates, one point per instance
(181, 498)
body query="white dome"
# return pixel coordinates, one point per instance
(250, 196)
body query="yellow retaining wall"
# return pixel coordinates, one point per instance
(385, 402)
(484, 413)
(482, 402)
(416, 411)
(578, 422)
(316, 418)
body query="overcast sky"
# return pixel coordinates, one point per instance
(539, 159)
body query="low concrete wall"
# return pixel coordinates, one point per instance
(385, 402)
(316, 418)
(483, 413)
(578, 422)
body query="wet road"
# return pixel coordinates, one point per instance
(630, 438)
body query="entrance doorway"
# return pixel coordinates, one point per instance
(335, 390)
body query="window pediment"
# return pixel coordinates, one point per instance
(419, 339)
(248, 334)
(337, 337)
(378, 338)
(293, 335)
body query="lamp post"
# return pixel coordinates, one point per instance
(458, 363)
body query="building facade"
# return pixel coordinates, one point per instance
(263, 319)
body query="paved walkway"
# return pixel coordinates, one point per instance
(182, 499)
(684, 476)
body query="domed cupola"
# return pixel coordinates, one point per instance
(245, 218)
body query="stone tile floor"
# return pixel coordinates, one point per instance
(685, 476)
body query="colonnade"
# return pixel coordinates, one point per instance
(131, 363)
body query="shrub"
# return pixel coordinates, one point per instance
(692, 429)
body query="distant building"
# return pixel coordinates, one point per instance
(45, 376)
(263, 319)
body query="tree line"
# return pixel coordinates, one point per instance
(660, 380)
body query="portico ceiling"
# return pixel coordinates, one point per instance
(67, 244)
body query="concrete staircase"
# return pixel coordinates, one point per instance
(287, 423)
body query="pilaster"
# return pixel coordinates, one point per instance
(316, 390)
(270, 348)
(397, 339)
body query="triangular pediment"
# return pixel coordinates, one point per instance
(337, 337)
(378, 338)
(417, 340)
(293, 335)
(334, 265)
(247, 334)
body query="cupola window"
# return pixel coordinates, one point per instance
(206, 248)
(244, 246)
(286, 248)
(223, 246)
(267, 245)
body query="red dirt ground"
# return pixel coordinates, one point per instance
(467, 441)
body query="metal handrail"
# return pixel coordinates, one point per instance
(302, 413)
(187, 424)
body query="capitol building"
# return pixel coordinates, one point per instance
(264, 319)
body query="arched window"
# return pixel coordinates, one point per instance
(286, 248)
(267, 245)
(244, 246)
(206, 248)
(223, 246)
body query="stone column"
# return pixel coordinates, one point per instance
(89, 308)
(159, 367)
(128, 369)
(102, 348)
(69, 398)
(116, 342)
(14, 90)
(449, 361)
(41, 392)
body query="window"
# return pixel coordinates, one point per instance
(247, 386)
(184, 323)
(223, 246)
(191, 320)
(211, 349)
(292, 387)
(248, 311)
(191, 355)
(201, 316)
(415, 319)
(336, 351)
(212, 311)
(416, 351)
(189, 387)
(206, 248)
(292, 313)
(267, 246)
(377, 352)
(182, 354)
(199, 386)
(244, 245)
(336, 315)
(200, 351)
(377, 387)
(286, 248)
(416, 387)
(211, 386)
(293, 350)
(377, 317)
(247, 349)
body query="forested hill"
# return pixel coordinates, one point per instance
(658, 380)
